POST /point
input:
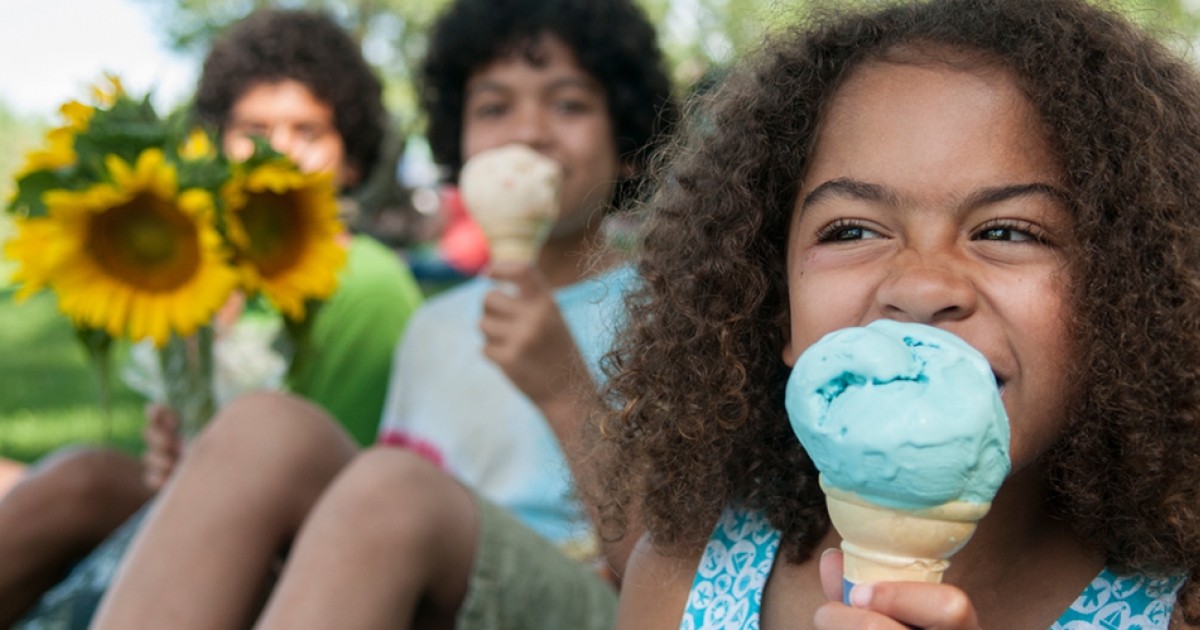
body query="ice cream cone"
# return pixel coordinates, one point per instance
(894, 545)
(512, 193)
(517, 240)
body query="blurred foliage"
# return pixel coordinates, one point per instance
(17, 135)
(696, 34)
(392, 33)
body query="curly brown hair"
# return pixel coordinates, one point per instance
(275, 45)
(612, 40)
(696, 381)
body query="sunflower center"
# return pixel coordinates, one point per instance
(147, 243)
(275, 228)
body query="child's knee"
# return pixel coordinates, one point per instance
(396, 493)
(277, 431)
(82, 485)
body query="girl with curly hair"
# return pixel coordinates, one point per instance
(1022, 173)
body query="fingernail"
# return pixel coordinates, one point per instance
(860, 595)
(827, 552)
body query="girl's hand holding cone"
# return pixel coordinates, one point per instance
(887, 605)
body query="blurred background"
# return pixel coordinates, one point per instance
(51, 51)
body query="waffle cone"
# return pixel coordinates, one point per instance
(516, 240)
(893, 545)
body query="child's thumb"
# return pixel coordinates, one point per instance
(831, 574)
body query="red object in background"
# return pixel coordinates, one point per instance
(462, 245)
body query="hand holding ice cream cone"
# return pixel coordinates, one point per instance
(906, 426)
(512, 192)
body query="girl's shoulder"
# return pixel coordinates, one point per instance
(655, 588)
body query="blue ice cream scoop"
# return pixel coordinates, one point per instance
(905, 416)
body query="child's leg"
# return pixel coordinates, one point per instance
(10, 474)
(66, 505)
(397, 543)
(392, 539)
(235, 503)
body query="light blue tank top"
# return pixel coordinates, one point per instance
(727, 592)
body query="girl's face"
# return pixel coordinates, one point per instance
(559, 110)
(295, 123)
(933, 197)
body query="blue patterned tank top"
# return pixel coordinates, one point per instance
(728, 589)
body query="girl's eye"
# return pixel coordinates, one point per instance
(843, 231)
(488, 110)
(1015, 231)
(570, 107)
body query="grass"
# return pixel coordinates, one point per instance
(48, 391)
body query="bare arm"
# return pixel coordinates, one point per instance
(656, 589)
(528, 338)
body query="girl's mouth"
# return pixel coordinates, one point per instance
(999, 382)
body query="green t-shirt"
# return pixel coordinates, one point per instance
(353, 336)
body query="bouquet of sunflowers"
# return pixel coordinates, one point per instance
(143, 231)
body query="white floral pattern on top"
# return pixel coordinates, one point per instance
(1122, 602)
(727, 592)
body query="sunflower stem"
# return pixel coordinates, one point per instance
(297, 348)
(98, 344)
(187, 367)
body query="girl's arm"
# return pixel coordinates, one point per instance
(656, 587)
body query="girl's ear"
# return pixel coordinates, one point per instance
(627, 169)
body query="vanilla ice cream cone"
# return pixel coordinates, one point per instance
(512, 193)
(516, 240)
(882, 544)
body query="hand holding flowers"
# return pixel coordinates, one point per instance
(143, 232)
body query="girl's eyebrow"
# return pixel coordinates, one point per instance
(990, 196)
(875, 193)
(851, 189)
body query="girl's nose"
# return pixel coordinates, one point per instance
(926, 291)
(532, 128)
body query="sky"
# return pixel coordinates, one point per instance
(52, 50)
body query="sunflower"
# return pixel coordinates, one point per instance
(132, 257)
(284, 224)
(197, 147)
(59, 151)
(108, 91)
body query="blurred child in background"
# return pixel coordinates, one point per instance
(298, 81)
(472, 520)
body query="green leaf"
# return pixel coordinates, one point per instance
(30, 188)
